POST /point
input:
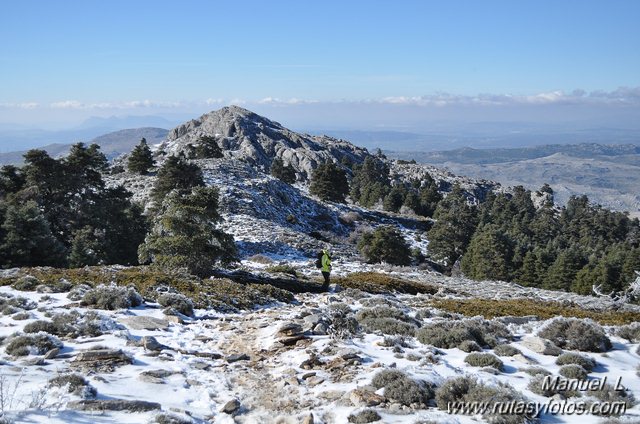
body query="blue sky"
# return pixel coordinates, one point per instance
(67, 60)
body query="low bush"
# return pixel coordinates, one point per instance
(506, 350)
(477, 359)
(382, 312)
(401, 388)
(12, 304)
(393, 341)
(387, 326)
(576, 334)
(44, 326)
(533, 371)
(167, 418)
(282, 268)
(630, 332)
(261, 259)
(469, 346)
(111, 298)
(450, 334)
(492, 308)
(609, 394)
(31, 344)
(363, 417)
(573, 358)
(375, 282)
(178, 302)
(539, 386)
(468, 389)
(26, 283)
(573, 372)
(21, 316)
(342, 322)
(75, 384)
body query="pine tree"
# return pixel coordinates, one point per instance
(185, 234)
(206, 148)
(394, 200)
(141, 159)
(385, 244)
(488, 255)
(562, 273)
(455, 224)
(283, 172)
(11, 180)
(176, 173)
(370, 182)
(329, 182)
(28, 240)
(87, 247)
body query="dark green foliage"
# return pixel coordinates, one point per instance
(385, 244)
(283, 172)
(61, 212)
(11, 180)
(206, 148)
(185, 234)
(576, 334)
(176, 174)
(395, 199)
(141, 159)
(370, 182)
(455, 224)
(28, 239)
(488, 254)
(329, 182)
(86, 247)
(573, 248)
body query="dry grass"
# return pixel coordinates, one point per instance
(222, 294)
(375, 282)
(491, 308)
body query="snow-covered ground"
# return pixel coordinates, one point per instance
(271, 384)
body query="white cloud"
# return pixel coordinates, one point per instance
(23, 105)
(626, 96)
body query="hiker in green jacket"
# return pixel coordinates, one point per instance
(326, 268)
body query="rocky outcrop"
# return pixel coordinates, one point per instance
(257, 140)
(113, 405)
(102, 360)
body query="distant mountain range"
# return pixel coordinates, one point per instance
(608, 174)
(112, 144)
(21, 138)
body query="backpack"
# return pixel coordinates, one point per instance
(319, 259)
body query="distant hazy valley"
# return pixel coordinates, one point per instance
(607, 174)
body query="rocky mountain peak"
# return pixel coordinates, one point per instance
(247, 136)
